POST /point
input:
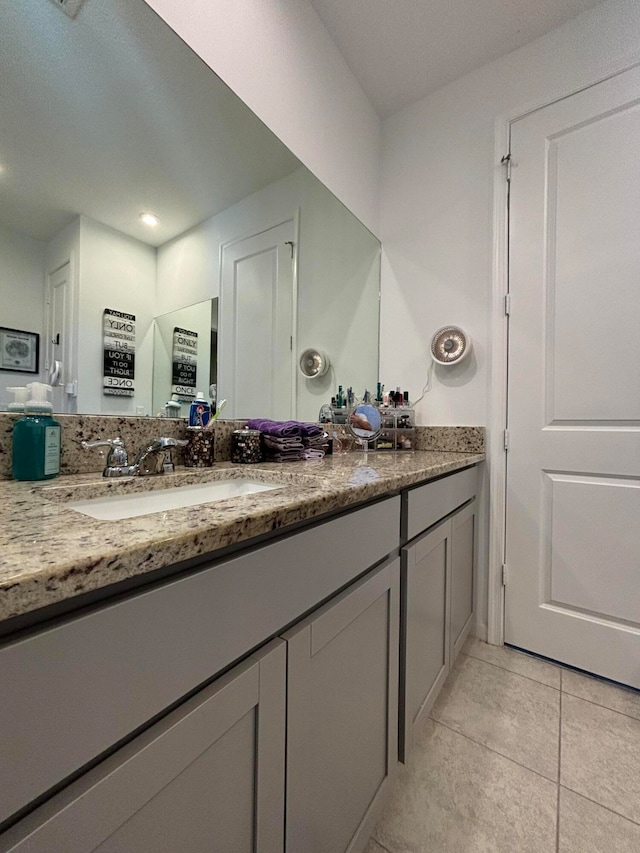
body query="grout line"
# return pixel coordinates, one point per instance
(600, 805)
(559, 769)
(605, 707)
(504, 669)
(494, 751)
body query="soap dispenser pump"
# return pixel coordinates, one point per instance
(36, 437)
(20, 394)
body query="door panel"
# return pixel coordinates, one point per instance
(572, 547)
(208, 778)
(59, 343)
(463, 536)
(256, 325)
(426, 626)
(342, 724)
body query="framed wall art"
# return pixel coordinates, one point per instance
(19, 351)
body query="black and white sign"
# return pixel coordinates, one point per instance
(119, 370)
(185, 362)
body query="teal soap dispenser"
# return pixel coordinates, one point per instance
(36, 438)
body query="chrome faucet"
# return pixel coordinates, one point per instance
(151, 460)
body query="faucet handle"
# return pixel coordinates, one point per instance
(117, 455)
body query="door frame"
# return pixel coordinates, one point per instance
(499, 342)
(254, 232)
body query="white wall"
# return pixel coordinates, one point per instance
(438, 170)
(278, 57)
(116, 272)
(22, 270)
(338, 278)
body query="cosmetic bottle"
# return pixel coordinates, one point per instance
(36, 438)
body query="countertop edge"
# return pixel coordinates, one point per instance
(82, 569)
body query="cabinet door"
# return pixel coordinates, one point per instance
(425, 627)
(209, 778)
(342, 717)
(463, 551)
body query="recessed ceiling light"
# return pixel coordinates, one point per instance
(149, 219)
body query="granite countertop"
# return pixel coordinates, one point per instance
(52, 553)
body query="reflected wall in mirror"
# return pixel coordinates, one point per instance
(111, 115)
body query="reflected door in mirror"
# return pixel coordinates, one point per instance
(256, 325)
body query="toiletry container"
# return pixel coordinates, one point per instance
(246, 446)
(199, 411)
(36, 438)
(20, 395)
(199, 452)
(172, 407)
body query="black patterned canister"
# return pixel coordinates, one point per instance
(199, 452)
(246, 446)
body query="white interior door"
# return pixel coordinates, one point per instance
(256, 325)
(573, 481)
(59, 339)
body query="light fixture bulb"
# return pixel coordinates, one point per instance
(150, 219)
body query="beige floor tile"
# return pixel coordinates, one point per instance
(374, 847)
(538, 670)
(607, 695)
(455, 795)
(588, 828)
(517, 717)
(600, 755)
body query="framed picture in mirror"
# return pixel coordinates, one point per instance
(19, 351)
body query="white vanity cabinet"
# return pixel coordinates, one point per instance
(256, 702)
(208, 778)
(437, 591)
(75, 692)
(342, 716)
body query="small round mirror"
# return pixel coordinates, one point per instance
(365, 423)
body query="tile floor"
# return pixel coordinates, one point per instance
(521, 756)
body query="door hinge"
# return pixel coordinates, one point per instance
(504, 574)
(506, 439)
(291, 343)
(507, 304)
(506, 162)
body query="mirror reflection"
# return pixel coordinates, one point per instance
(365, 423)
(110, 116)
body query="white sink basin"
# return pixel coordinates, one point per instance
(115, 507)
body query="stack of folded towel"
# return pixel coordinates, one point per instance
(287, 441)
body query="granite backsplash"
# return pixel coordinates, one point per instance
(138, 433)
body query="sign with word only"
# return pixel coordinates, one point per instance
(185, 362)
(119, 336)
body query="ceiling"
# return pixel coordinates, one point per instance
(402, 50)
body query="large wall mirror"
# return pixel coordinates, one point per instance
(108, 116)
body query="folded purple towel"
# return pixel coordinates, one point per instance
(310, 453)
(274, 442)
(285, 428)
(309, 430)
(316, 441)
(285, 456)
(269, 427)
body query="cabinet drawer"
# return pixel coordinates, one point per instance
(425, 505)
(208, 777)
(72, 691)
